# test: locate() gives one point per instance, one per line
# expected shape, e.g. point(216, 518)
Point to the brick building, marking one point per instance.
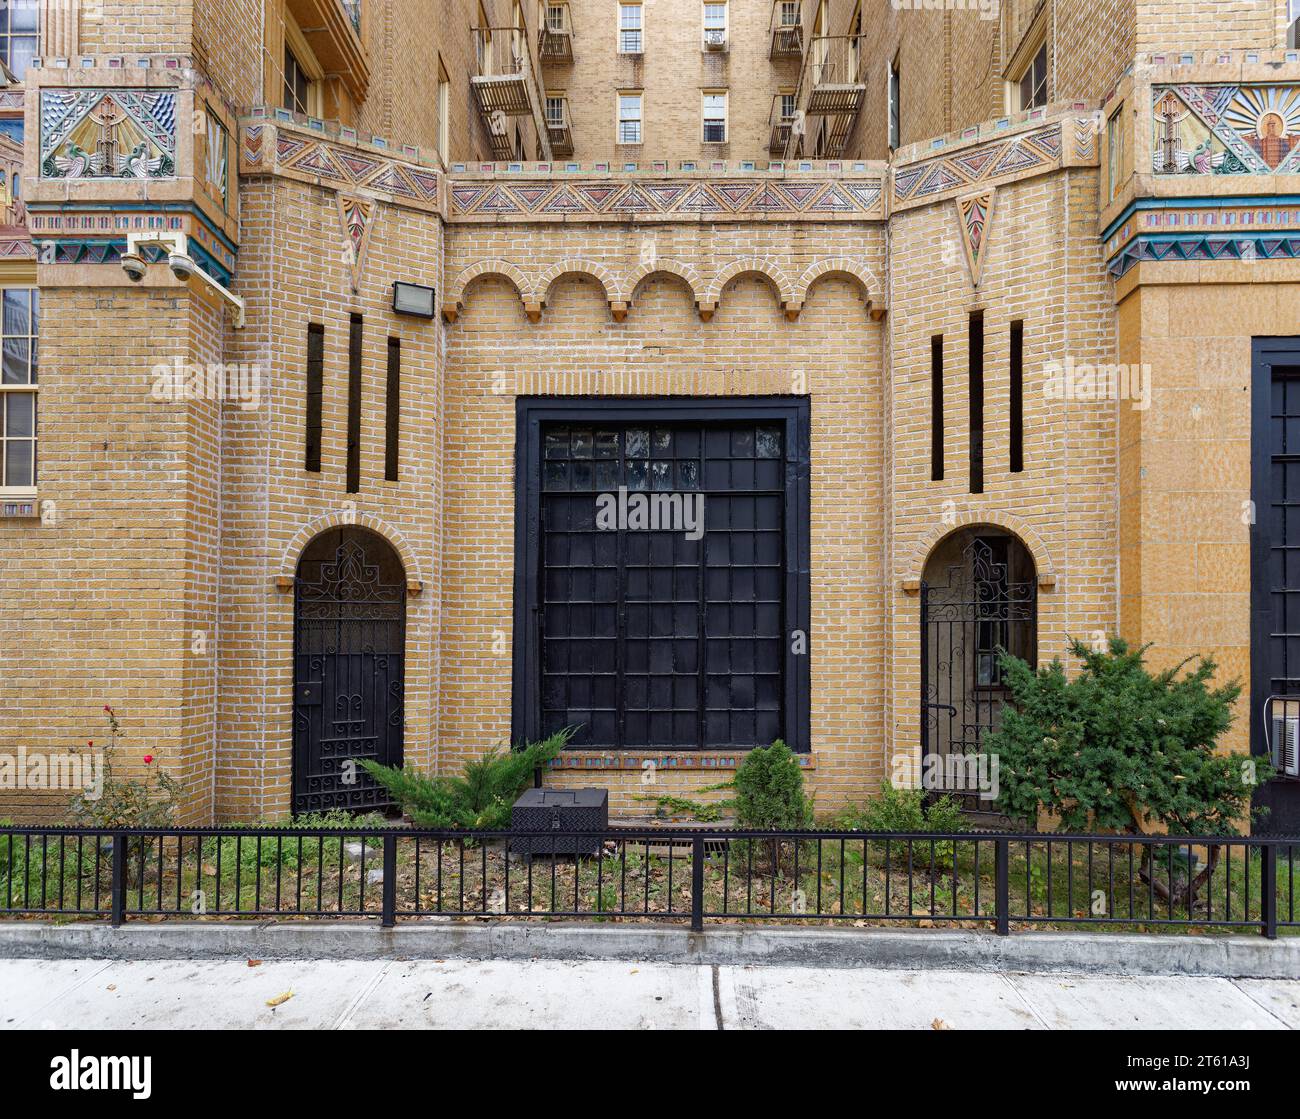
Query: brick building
point(936, 306)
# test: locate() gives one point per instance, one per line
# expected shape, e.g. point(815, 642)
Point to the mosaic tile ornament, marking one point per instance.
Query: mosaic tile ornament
point(357, 218)
point(722, 198)
point(1001, 159)
point(1226, 130)
point(108, 134)
point(974, 217)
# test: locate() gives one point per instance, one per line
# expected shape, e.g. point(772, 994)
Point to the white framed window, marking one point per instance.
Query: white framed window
point(1116, 138)
point(629, 118)
point(631, 29)
point(19, 34)
point(789, 13)
point(895, 105)
point(19, 326)
point(555, 109)
point(444, 114)
point(715, 117)
point(715, 26)
point(1031, 85)
point(789, 103)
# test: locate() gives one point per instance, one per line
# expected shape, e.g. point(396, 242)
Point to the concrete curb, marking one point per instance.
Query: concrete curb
point(910, 949)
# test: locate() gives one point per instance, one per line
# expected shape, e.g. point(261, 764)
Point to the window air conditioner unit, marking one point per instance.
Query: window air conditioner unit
point(1283, 723)
point(715, 40)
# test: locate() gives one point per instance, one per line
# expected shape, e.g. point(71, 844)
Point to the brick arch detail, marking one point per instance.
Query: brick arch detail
point(607, 279)
point(872, 289)
point(683, 272)
point(751, 264)
point(377, 525)
point(995, 518)
point(454, 300)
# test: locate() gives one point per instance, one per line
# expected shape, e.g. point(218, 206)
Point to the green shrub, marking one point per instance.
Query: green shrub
point(904, 810)
point(127, 802)
point(769, 790)
point(1119, 748)
point(481, 798)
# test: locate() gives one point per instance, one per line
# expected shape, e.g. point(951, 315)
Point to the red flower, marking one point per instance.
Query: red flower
point(148, 759)
point(108, 709)
point(91, 743)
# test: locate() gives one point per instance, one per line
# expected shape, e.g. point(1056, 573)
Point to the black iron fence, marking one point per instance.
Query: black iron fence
point(996, 880)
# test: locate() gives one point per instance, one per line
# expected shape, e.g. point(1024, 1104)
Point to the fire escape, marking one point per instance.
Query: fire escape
point(507, 88)
point(829, 98)
point(554, 49)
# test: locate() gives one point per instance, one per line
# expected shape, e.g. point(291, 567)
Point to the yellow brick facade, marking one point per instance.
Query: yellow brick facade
point(156, 570)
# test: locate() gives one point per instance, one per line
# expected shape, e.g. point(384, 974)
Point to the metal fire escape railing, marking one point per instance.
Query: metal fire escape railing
point(830, 96)
point(507, 86)
point(786, 30)
point(555, 37)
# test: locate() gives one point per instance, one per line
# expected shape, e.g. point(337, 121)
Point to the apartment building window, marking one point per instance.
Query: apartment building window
point(297, 86)
point(789, 104)
point(629, 118)
point(715, 26)
point(715, 118)
point(555, 110)
point(19, 34)
point(444, 114)
point(555, 18)
point(630, 28)
point(1031, 85)
point(895, 107)
point(1293, 32)
point(1115, 141)
point(19, 323)
point(789, 13)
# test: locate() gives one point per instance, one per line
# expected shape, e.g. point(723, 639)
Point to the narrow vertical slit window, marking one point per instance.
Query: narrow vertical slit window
point(393, 409)
point(976, 397)
point(1017, 401)
point(936, 408)
point(354, 405)
point(315, 395)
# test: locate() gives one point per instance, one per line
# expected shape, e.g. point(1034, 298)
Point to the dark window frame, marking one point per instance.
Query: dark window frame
point(356, 337)
point(975, 399)
point(1016, 403)
point(533, 412)
point(1280, 797)
point(314, 405)
point(393, 411)
point(936, 408)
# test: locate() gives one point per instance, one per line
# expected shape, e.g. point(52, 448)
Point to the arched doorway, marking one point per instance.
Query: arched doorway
point(348, 675)
point(978, 596)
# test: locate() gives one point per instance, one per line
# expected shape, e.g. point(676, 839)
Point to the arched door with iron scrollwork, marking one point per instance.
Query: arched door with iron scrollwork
point(348, 679)
point(979, 597)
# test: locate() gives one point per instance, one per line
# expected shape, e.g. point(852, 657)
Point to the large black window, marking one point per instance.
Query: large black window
point(1275, 556)
point(662, 583)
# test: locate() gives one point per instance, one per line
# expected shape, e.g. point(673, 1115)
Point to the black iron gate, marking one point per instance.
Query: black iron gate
point(986, 602)
point(349, 647)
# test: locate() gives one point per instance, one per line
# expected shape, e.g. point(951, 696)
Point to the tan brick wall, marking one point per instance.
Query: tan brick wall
point(1062, 505)
point(103, 598)
point(664, 349)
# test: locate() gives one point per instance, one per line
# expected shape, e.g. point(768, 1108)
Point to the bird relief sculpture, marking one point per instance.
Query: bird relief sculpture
point(107, 142)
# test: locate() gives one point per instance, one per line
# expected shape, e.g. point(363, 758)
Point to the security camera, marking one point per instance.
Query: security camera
point(134, 265)
point(182, 266)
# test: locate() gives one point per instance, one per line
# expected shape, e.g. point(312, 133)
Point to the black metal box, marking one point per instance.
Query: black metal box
point(566, 821)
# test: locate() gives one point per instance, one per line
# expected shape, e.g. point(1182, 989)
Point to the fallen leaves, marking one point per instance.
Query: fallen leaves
point(279, 1000)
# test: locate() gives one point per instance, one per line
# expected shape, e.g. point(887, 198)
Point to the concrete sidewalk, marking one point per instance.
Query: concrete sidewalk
point(553, 994)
